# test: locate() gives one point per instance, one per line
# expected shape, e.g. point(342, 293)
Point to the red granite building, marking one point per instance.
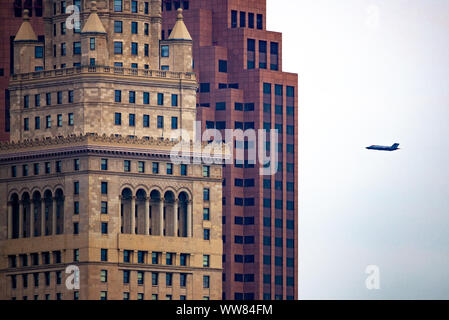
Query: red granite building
point(242, 86)
point(10, 20)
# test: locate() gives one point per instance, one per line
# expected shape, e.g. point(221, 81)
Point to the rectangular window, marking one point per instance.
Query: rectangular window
point(47, 168)
point(104, 228)
point(77, 47)
point(165, 51)
point(174, 100)
point(141, 256)
point(262, 54)
point(76, 207)
point(206, 171)
point(141, 166)
point(160, 99)
point(26, 101)
point(220, 106)
point(146, 29)
point(76, 187)
point(234, 19)
point(134, 6)
point(206, 234)
point(146, 121)
point(36, 169)
point(251, 20)
point(242, 19)
point(182, 280)
point(168, 279)
point(205, 87)
point(206, 260)
point(118, 26)
point(146, 98)
point(63, 28)
point(146, 50)
point(146, 8)
point(127, 165)
point(63, 49)
point(118, 96)
point(48, 122)
point(59, 120)
point(104, 207)
point(206, 194)
point(160, 122)
point(132, 119)
point(154, 280)
point(155, 257)
point(39, 52)
point(174, 123)
point(206, 282)
point(118, 47)
point(59, 97)
point(259, 21)
point(222, 66)
point(76, 228)
point(134, 48)
point(126, 274)
point(92, 44)
point(118, 5)
point(183, 169)
point(274, 56)
point(169, 168)
point(103, 275)
point(118, 119)
point(206, 214)
point(134, 27)
point(104, 187)
point(155, 167)
point(251, 53)
point(26, 124)
point(70, 96)
point(140, 278)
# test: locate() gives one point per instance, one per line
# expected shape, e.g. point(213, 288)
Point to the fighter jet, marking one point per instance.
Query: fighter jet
point(384, 148)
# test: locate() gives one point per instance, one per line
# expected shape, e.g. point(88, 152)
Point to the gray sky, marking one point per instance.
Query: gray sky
point(371, 72)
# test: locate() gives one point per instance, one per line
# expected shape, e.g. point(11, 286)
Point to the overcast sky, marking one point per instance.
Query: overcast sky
point(371, 72)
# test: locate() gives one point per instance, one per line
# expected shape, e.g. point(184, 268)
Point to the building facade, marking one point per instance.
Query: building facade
point(87, 179)
point(11, 13)
point(242, 86)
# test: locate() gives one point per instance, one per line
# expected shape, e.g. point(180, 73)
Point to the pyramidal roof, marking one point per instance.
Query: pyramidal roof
point(26, 32)
point(180, 31)
point(93, 23)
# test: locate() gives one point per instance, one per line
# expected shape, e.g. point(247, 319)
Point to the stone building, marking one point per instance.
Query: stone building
point(87, 182)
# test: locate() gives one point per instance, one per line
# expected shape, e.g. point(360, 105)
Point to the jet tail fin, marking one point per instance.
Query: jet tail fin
point(395, 146)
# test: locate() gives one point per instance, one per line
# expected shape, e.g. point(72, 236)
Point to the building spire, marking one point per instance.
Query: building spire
point(26, 32)
point(180, 31)
point(93, 23)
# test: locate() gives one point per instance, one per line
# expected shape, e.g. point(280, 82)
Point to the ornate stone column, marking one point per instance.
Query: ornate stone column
point(53, 217)
point(9, 220)
point(147, 216)
point(20, 219)
point(32, 218)
point(42, 217)
point(120, 220)
point(133, 215)
point(189, 218)
point(175, 218)
point(161, 217)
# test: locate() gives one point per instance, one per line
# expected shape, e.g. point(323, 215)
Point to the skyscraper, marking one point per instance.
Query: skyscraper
point(242, 86)
point(87, 183)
